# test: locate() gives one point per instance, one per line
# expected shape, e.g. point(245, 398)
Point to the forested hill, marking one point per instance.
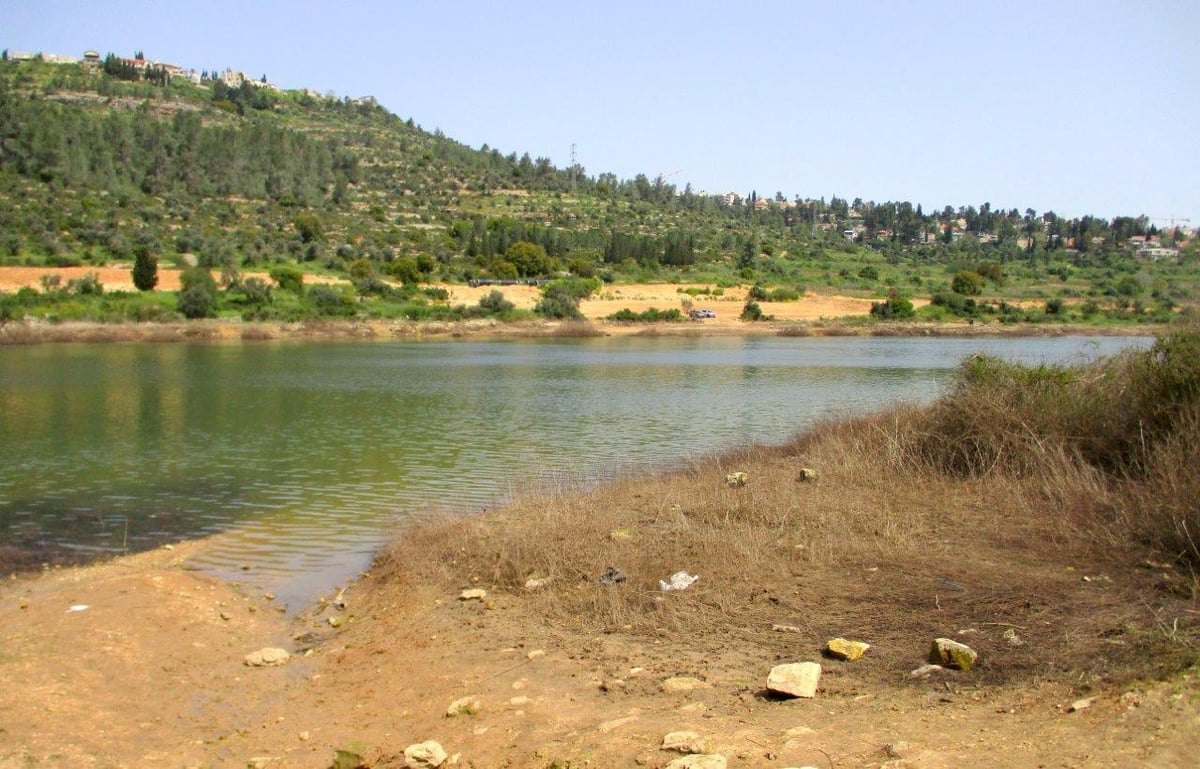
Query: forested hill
point(100, 161)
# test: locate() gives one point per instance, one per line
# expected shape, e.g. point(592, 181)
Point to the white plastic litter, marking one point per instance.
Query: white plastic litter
point(680, 580)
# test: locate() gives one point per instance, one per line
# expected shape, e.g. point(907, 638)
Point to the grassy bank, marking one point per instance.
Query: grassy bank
point(1047, 516)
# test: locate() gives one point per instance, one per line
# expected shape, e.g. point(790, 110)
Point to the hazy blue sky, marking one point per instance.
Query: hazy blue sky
point(1080, 107)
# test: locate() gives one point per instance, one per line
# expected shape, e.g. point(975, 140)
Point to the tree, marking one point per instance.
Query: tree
point(197, 294)
point(145, 269)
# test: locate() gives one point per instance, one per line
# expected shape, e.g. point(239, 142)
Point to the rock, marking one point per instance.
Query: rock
point(535, 654)
point(841, 649)
point(898, 749)
point(705, 761)
point(533, 583)
point(425, 755)
point(1082, 704)
point(464, 706)
point(926, 670)
point(683, 742)
point(334, 621)
point(736, 480)
point(262, 762)
point(612, 576)
point(1013, 639)
point(785, 629)
point(807, 474)
point(474, 594)
point(680, 684)
point(226, 616)
point(616, 723)
point(952, 654)
point(268, 657)
point(797, 679)
point(348, 759)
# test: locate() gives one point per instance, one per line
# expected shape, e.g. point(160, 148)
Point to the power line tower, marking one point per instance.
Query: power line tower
point(574, 167)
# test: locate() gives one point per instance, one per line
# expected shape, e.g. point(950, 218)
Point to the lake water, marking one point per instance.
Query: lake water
point(308, 453)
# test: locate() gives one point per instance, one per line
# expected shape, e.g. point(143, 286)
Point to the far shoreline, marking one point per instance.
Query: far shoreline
point(237, 331)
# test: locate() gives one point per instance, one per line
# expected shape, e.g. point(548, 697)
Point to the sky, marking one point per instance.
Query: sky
point(1076, 107)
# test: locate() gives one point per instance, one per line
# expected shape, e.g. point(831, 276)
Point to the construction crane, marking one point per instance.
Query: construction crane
point(1172, 219)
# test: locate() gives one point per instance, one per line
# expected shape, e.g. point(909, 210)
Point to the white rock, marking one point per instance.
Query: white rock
point(474, 594)
point(797, 679)
point(464, 706)
point(268, 657)
point(683, 742)
point(1082, 704)
point(706, 761)
point(926, 670)
point(425, 755)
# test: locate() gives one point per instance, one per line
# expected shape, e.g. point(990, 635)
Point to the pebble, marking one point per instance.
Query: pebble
point(683, 742)
point(681, 684)
point(425, 755)
point(474, 594)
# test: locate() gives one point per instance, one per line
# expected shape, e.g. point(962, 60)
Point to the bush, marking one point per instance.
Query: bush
point(967, 283)
point(558, 301)
point(895, 307)
point(494, 303)
point(145, 270)
point(288, 279)
point(197, 294)
point(752, 312)
point(328, 300)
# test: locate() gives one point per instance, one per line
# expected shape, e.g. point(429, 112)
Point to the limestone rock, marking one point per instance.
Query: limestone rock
point(425, 755)
point(926, 670)
point(952, 654)
point(683, 742)
point(681, 684)
point(267, 658)
point(703, 761)
point(464, 706)
point(1082, 704)
point(474, 594)
point(842, 649)
point(807, 474)
point(797, 679)
point(736, 480)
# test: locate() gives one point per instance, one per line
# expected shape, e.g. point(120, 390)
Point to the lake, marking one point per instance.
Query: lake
point(307, 454)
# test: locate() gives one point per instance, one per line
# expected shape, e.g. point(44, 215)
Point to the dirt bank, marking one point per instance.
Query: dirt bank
point(140, 662)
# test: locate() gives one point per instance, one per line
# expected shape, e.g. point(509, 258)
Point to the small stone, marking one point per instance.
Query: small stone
point(683, 742)
point(926, 670)
point(1013, 639)
point(898, 749)
point(464, 706)
point(334, 621)
point(519, 701)
point(681, 684)
point(474, 594)
point(807, 474)
point(841, 649)
point(612, 685)
point(952, 654)
point(1082, 704)
point(705, 761)
point(535, 654)
point(262, 762)
point(226, 616)
point(785, 629)
point(425, 755)
point(736, 480)
point(305, 736)
point(269, 596)
point(268, 657)
point(533, 583)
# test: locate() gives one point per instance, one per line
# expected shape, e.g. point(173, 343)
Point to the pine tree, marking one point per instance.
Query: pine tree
point(145, 269)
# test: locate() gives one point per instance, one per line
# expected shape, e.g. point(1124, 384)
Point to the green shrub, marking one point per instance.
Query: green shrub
point(288, 278)
point(967, 283)
point(494, 303)
point(558, 301)
point(197, 293)
point(895, 307)
point(752, 312)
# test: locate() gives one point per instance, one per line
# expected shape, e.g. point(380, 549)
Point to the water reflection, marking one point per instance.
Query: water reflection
point(308, 451)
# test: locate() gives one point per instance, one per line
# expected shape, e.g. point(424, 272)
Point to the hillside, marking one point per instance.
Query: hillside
point(103, 164)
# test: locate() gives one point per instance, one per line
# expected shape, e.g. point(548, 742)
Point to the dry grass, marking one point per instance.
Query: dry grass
point(883, 547)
